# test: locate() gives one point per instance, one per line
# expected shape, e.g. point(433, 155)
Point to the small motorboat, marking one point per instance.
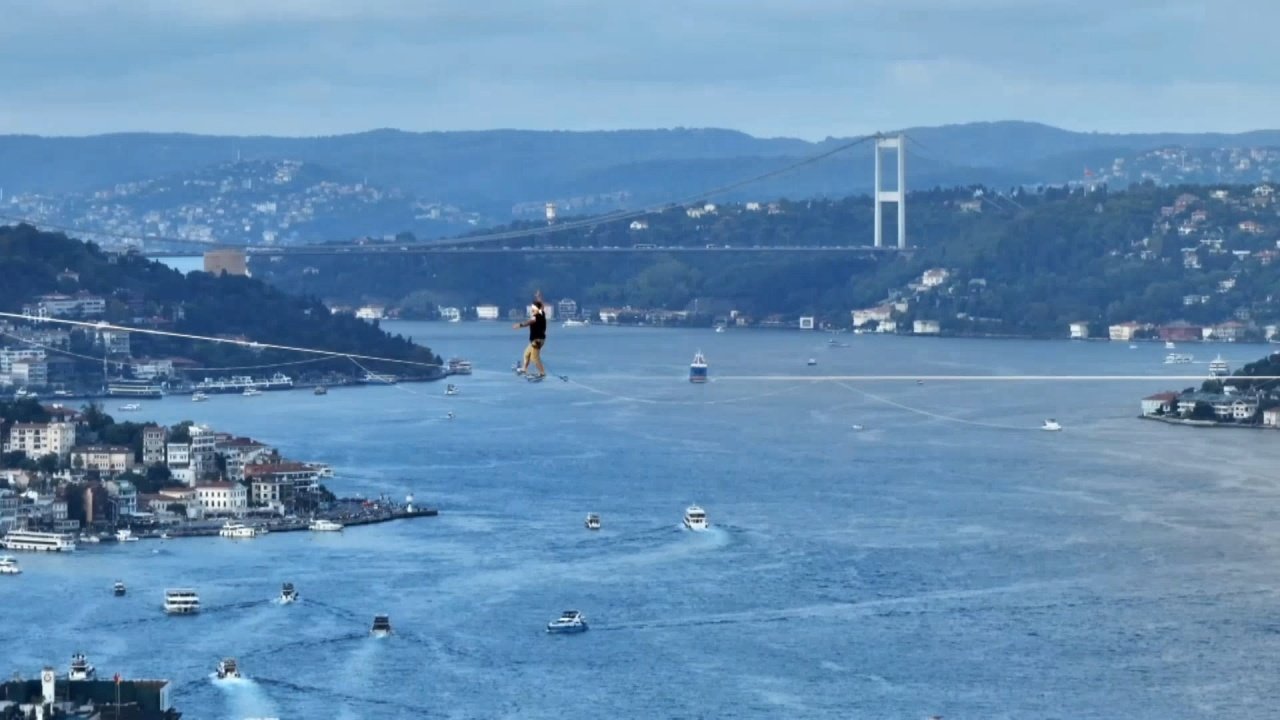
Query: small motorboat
point(323, 525)
point(288, 594)
point(858, 427)
point(592, 522)
point(227, 669)
point(695, 518)
point(570, 621)
point(812, 362)
point(450, 415)
point(199, 397)
point(130, 407)
point(80, 668)
point(321, 390)
point(381, 626)
point(1051, 425)
point(118, 589)
point(125, 535)
point(9, 566)
point(451, 390)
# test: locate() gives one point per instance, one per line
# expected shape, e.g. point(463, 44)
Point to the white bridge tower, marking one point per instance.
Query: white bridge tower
point(898, 194)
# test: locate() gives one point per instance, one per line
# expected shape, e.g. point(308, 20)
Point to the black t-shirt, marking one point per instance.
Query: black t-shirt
point(538, 329)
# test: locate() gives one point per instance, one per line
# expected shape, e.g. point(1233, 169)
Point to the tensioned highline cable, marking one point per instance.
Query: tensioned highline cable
point(184, 368)
point(505, 234)
point(226, 341)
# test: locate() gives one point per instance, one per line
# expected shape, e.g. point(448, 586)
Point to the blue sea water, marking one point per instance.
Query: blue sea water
point(949, 558)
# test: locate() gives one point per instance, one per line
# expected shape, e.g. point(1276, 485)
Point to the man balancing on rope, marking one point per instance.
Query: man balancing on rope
point(537, 324)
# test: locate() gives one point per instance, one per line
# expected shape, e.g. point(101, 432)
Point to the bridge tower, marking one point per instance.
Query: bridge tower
point(899, 194)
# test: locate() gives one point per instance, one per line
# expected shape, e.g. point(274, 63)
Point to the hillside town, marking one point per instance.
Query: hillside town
point(61, 475)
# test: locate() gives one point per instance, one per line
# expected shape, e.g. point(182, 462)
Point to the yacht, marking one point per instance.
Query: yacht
point(181, 601)
point(381, 626)
point(570, 621)
point(1168, 345)
point(80, 668)
point(118, 589)
point(38, 541)
point(134, 388)
point(698, 368)
point(251, 391)
point(130, 407)
point(321, 390)
point(125, 535)
point(593, 521)
point(812, 362)
point(323, 525)
point(91, 539)
point(9, 566)
point(574, 323)
point(720, 328)
point(1178, 359)
point(227, 669)
point(458, 366)
point(288, 594)
point(695, 518)
point(237, 530)
point(1051, 425)
point(1219, 367)
point(198, 397)
point(451, 390)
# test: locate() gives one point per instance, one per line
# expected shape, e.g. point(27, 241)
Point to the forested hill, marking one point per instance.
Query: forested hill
point(143, 293)
point(1026, 263)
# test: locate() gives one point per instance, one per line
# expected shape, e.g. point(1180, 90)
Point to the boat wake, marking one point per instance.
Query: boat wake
point(245, 698)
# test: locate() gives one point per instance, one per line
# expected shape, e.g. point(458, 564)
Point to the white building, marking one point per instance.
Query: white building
point(567, 308)
point(153, 444)
point(1079, 330)
point(452, 314)
point(806, 322)
point(79, 305)
point(152, 369)
point(111, 459)
point(9, 356)
point(37, 439)
point(222, 498)
point(371, 312)
point(1271, 418)
point(125, 496)
point(487, 312)
point(177, 455)
point(926, 327)
point(31, 373)
point(934, 277)
point(639, 225)
point(1124, 332)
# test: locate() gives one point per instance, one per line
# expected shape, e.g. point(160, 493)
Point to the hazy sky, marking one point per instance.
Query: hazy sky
point(804, 68)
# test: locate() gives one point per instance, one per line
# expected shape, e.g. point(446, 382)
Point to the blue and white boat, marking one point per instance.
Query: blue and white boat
point(570, 621)
point(698, 369)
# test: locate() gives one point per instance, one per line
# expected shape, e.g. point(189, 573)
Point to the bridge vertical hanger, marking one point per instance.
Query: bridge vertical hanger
point(898, 194)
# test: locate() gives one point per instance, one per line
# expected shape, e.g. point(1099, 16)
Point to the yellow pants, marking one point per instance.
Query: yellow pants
point(533, 354)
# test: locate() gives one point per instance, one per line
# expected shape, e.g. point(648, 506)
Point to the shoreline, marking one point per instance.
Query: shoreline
point(281, 526)
point(1203, 423)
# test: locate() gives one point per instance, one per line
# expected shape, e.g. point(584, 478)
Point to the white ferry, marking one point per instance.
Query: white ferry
point(130, 407)
point(458, 366)
point(237, 530)
point(239, 383)
point(695, 518)
point(323, 525)
point(592, 522)
point(121, 387)
point(125, 535)
point(1178, 359)
point(698, 368)
point(9, 566)
point(38, 541)
point(181, 601)
point(1051, 425)
point(381, 626)
point(227, 669)
point(1219, 367)
point(199, 397)
point(80, 668)
point(288, 594)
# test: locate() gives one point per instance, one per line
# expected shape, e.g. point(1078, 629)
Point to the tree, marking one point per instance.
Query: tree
point(1202, 411)
point(48, 464)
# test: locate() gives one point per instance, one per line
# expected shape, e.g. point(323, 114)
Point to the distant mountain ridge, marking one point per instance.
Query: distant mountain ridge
point(492, 171)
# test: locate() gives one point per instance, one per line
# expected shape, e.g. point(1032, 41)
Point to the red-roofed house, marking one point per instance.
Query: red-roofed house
point(1160, 403)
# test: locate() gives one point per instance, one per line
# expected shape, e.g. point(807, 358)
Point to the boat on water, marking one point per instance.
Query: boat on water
point(451, 390)
point(381, 626)
point(1168, 345)
point(38, 541)
point(181, 601)
point(720, 328)
point(321, 390)
point(857, 427)
point(121, 387)
point(323, 525)
point(1133, 346)
point(240, 383)
point(570, 621)
point(9, 566)
point(592, 522)
point(198, 397)
point(695, 518)
point(1178, 359)
point(130, 407)
point(237, 530)
point(80, 668)
point(812, 362)
point(575, 323)
point(698, 368)
point(1051, 425)
point(458, 366)
point(125, 535)
point(118, 589)
point(251, 391)
point(1219, 367)
point(227, 669)
point(288, 594)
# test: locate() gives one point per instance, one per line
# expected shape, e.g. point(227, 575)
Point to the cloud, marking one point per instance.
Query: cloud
point(806, 67)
